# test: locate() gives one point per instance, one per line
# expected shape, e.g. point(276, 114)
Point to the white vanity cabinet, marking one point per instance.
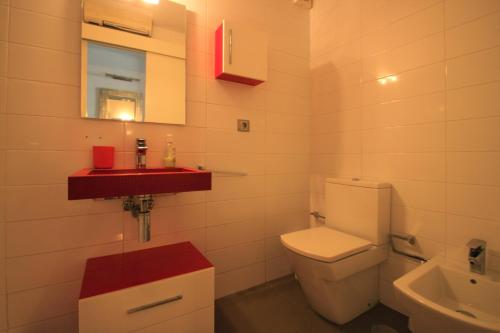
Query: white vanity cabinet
point(164, 289)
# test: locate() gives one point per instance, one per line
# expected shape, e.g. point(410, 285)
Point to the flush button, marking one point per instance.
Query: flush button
point(243, 125)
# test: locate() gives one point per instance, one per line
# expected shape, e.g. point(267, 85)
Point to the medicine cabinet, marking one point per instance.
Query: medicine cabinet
point(134, 61)
point(240, 53)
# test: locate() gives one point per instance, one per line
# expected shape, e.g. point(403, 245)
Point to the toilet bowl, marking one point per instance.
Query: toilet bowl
point(337, 264)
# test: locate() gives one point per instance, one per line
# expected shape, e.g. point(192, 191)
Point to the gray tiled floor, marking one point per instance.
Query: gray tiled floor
point(280, 306)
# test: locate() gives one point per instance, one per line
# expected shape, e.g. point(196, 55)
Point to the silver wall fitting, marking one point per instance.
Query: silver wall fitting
point(243, 125)
point(317, 215)
point(144, 221)
point(140, 206)
point(224, 172)
point(410, 239)
point(406, 237)
point(477, 256)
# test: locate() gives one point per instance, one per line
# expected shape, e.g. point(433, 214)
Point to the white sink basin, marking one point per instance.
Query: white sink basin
point(442, 298)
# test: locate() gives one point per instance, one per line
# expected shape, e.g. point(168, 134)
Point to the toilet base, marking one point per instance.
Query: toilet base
point(340, 290)
point(341, 301)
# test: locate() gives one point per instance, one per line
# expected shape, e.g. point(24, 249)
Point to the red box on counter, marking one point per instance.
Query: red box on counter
point(104, 157)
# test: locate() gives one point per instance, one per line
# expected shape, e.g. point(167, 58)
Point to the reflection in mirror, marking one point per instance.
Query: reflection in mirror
point(115, 83)
point(120, 105)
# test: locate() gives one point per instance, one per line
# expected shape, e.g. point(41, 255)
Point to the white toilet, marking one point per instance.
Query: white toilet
point(337, 265)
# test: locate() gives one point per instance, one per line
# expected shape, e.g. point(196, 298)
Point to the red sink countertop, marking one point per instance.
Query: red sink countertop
point(108, 183)
point(120, 271)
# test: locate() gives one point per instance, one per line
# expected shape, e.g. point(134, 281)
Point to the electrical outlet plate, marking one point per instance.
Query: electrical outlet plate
point(243, 125)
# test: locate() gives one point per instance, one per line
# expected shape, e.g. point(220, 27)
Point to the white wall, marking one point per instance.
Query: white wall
point(433, 132)
point(237, 224)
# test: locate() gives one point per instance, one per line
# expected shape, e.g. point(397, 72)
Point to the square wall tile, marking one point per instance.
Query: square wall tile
point(56, 133)
point(66, 323)
point(473, 135)
point(3, 311)
point(58, 67)
point(422, 195)
point(222, 212)
point(3, 94)
point(278, 267)
point(419, 222)
point(473, 102)
point(30, 28)
point(239, 279)
point(473, 36)
point(23, 238)
point(479, 168)
point(4, 19)
point(462, 229)
point(43, 99)
point(474, 68)
point(232, 234)
point(3, 58)
point(51, 201)
point(24, 307)
point(461, 11)
point(473, 201)
point(39, 270)
point(60, 8)
point(238, 256)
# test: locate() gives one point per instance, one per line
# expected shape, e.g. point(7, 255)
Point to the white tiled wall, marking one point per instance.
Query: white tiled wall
point(403, 91)
point(4, 21)
point(42, 140)
point(408, 92)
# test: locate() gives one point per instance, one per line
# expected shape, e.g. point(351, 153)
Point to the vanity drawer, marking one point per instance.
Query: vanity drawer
point(148, 304)
point(200, 321)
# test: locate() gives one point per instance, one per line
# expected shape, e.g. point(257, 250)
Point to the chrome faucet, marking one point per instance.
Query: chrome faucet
point(477, 256)
point(140, 153)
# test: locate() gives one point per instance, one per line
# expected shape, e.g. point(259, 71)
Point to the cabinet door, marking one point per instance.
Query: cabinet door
point(165, 89)
point(241, 54)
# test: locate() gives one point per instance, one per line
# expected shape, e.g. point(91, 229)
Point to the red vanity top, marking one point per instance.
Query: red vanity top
point(108, 183)
point(120, 271)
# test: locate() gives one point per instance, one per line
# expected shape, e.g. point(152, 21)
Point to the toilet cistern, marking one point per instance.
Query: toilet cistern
point(477, 256)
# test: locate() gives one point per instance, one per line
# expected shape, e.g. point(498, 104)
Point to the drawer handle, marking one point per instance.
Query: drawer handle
point(154, 304)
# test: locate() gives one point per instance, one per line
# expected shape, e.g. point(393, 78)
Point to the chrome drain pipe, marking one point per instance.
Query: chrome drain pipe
point(144, 221)
point(140, 206)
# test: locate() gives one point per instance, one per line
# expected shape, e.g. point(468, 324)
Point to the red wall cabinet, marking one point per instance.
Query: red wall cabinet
point(240, 54)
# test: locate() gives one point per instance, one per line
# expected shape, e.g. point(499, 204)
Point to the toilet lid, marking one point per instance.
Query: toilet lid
point(324, 244)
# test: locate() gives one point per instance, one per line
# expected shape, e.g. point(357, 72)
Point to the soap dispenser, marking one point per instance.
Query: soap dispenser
point(169, 159)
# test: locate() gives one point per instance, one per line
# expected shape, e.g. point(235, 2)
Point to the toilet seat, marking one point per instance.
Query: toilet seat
point(324, 244)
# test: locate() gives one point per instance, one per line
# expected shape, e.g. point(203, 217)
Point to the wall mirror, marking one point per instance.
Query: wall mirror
point(134, 61)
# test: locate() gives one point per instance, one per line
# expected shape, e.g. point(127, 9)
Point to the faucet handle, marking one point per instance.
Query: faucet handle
point(476, 247)
point(141, 143)
point(475, 243)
